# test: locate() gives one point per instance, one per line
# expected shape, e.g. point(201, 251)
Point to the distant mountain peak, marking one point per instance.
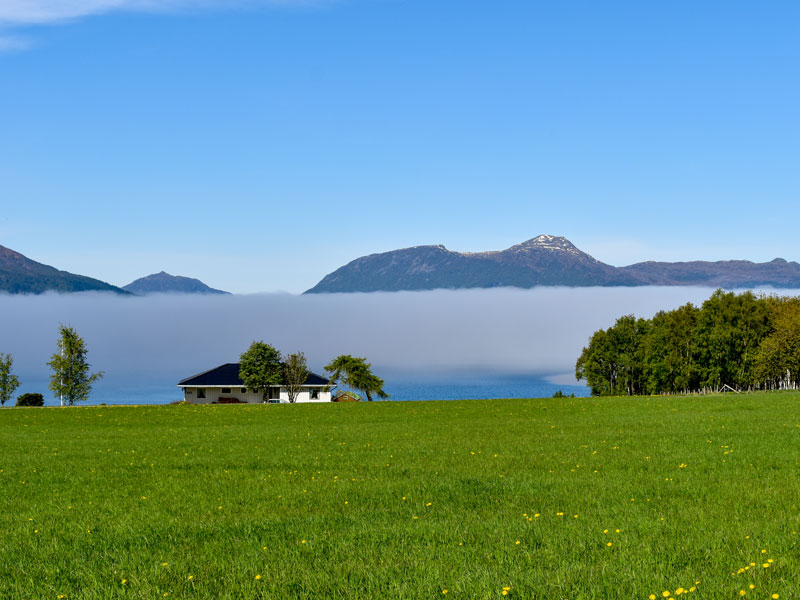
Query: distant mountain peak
point(545, 260)
point(548, 242)
point(164, 283)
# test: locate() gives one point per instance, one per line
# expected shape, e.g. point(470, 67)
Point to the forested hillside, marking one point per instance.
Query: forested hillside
point(737, 340)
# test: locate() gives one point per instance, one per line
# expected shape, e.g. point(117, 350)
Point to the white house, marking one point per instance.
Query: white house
point(222, 385)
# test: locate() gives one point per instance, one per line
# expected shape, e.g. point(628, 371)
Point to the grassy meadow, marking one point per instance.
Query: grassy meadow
point(628, 498)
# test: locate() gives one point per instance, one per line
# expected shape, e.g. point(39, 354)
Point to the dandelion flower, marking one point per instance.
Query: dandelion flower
point(258, 577)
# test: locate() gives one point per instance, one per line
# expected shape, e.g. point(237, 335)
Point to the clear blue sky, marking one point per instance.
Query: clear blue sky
point(260, 147)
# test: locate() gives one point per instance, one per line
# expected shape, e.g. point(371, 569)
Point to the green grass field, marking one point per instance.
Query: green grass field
point(571, 498)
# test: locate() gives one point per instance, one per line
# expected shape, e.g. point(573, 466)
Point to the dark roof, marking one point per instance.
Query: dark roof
point(227, 375)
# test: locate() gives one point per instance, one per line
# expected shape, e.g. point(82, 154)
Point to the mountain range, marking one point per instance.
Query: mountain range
point(545, 260)
point(21, 275)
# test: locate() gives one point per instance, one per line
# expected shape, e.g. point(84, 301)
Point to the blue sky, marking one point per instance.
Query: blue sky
point(259, 146)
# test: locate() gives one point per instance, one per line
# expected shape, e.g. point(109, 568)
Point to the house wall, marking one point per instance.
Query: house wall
point(213, 394)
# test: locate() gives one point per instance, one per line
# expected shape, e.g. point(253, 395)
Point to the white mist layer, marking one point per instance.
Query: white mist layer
point(164, 338)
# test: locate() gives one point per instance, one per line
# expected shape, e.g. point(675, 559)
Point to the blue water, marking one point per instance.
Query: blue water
point(479, 388)
point(400, 388)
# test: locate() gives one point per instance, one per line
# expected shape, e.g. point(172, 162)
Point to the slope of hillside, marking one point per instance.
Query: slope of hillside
point(21, 275)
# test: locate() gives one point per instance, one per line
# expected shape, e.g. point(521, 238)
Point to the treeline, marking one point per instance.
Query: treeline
point(739, 341)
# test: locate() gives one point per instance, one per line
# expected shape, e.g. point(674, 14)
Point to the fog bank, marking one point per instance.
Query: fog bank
point(165, 338)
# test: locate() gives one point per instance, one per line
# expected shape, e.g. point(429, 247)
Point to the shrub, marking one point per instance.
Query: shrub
point(30, 400)
point(561, 394)
point(229, 401)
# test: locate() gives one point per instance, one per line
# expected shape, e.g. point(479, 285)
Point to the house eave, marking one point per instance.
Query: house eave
point(239, 385)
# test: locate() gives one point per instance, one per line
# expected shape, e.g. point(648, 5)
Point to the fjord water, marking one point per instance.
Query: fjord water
point(443, 387)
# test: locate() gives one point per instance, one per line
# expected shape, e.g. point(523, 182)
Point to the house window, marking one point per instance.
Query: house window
point(188, 392)
point(314, 393)
point(244, 390)
point(274, 393)
point(226, 390)
point(201, 392)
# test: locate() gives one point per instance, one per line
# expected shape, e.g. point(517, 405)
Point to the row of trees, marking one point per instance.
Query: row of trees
point(738, 341)
point(70, 380)
point(262, 367)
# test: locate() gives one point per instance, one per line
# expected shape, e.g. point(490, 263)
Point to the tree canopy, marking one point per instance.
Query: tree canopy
point(295, 374)
point(356, 373)
point(70, 379)
point(736, 340)
point(260, 368)
point(8, 381)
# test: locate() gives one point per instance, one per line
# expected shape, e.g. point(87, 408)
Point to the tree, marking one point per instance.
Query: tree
point(260, 368)
point(777, 360)
point(295, 373)
point(357, 374)
point(671, 351)
point(70, 379)
point(730, 328)
point(8, 381)
point(613, 363)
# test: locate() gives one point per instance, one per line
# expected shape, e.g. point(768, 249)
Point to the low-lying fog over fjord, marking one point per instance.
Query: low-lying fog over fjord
point(150, 343)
